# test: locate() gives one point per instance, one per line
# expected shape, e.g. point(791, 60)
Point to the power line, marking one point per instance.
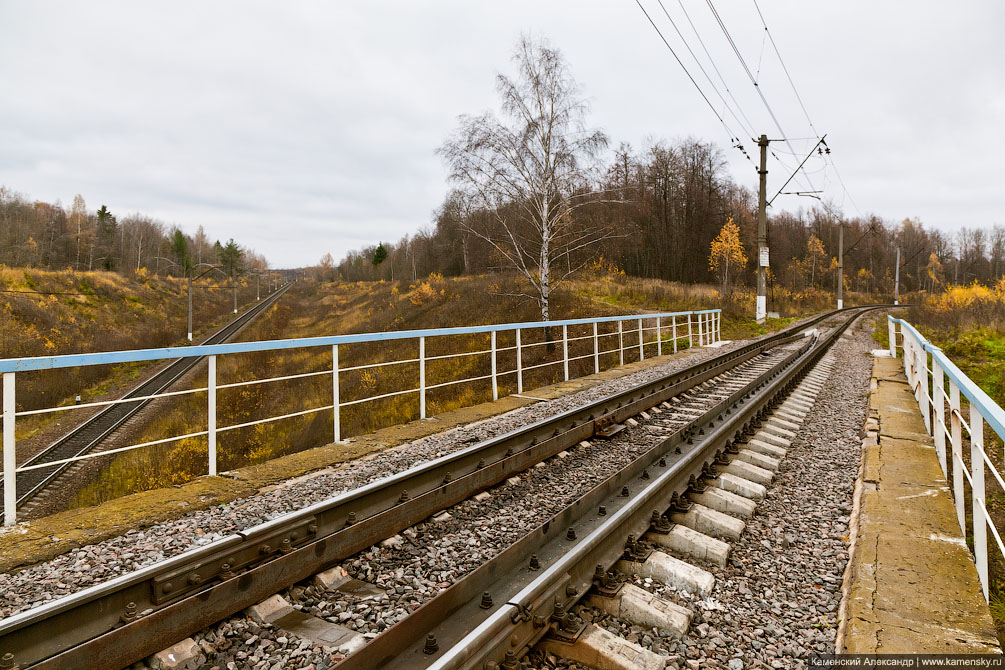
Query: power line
point(732, 135)
point(753, 80)
point(700, 67)
point(104, 295)
point(714, 66)
point(785, 69)
point(799, 98)
point(843, 187)
point(808, 156)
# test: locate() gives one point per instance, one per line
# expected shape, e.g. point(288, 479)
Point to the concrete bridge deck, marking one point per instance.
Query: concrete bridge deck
point(911, 585)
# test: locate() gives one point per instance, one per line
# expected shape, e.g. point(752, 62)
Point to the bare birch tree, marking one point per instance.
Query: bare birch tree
point(79, 215)
point(530, 170)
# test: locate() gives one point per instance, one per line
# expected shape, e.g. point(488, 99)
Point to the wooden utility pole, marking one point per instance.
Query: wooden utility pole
point(762, 233)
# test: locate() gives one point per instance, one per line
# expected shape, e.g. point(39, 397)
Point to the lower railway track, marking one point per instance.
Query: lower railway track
point(677, 481)
point(89, 436)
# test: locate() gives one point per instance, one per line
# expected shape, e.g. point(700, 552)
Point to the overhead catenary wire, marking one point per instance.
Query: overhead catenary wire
point(753, 80)
point(750, 133)
point(843, 187)
point(802, 174)
point(802, 106)
point(715, 67)
point(784, 68)
point(808, 156)
point(729, 131)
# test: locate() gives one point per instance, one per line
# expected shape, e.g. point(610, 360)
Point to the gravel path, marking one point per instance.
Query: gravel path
point(777, 600)
point(93, 564)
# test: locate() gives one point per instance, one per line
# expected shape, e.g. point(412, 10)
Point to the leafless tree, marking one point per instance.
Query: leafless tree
point(530, 171)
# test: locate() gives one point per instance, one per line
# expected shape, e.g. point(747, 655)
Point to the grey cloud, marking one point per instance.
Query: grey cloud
point(301, 128)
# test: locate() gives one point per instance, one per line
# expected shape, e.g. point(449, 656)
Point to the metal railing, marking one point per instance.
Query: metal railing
point(669, 329)
point(927, 370)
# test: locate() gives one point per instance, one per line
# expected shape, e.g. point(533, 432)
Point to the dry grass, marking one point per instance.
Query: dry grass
point(44, 313)
point(311, 309)
point(961, 308)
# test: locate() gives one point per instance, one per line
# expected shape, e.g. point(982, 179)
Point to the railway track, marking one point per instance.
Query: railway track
point(88, 436)
point(701, 412)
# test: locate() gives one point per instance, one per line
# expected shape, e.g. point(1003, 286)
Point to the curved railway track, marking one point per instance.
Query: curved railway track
point(86, 437)
point(137, 614)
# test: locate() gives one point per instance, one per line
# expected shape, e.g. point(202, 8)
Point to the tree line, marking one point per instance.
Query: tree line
point(46, 235)
point(533, 195)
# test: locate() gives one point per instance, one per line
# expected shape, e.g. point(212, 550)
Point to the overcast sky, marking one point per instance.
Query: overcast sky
point(304, 127)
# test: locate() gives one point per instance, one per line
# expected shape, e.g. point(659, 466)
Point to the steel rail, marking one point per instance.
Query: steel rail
point(108, 420)
point(517, 589)
point(531, 603)
point(132, 616)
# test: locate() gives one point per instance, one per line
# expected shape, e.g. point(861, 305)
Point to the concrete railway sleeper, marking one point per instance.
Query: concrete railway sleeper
point(135, 615)
point(606, 526)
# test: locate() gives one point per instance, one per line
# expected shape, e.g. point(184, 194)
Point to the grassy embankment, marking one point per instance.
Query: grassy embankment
point(968, 323)
point(652, 294)
point(45, 313)
point(312, 310)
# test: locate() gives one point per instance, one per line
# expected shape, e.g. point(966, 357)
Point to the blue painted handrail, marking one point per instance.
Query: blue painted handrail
point(132, 355)
point(988, 408)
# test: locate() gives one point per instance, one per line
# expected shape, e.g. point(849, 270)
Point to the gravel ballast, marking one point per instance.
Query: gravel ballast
point(431, 556)
point(777, 600)
point(774, 604)
point(93, 564)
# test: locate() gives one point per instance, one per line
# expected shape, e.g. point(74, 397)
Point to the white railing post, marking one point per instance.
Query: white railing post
point(690, 339)
point(422, 378)
point(893, 337)
point(925, 387)
point(659, 336)
point(596, 350)
point(939, 396)
point(642, 353)
point(336, 403)
point(908, 342)
point(674, 322)
point(495, 386)
point(701, 336)
point(978, 500)
point(519, 363)
point(621, 342)
point(954, 406)
point(9, 456)
point(211, 415)
point(565, 350)
point(915, 386)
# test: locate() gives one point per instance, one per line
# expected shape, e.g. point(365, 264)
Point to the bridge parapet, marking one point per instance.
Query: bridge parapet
point(940, 389)
point(913, 584)
point(637, 336)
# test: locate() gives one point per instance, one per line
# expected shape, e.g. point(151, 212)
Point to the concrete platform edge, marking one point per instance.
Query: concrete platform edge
point(910, 585)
